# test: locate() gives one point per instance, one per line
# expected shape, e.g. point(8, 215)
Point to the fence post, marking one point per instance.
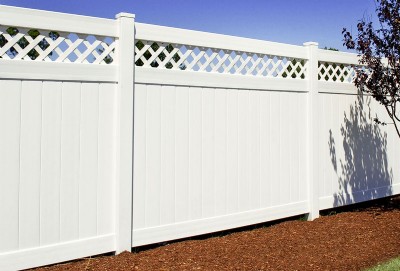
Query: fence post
point(312, 130)
point(125, 53)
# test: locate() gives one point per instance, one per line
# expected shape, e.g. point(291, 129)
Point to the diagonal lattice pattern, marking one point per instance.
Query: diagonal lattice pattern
point(195, 58)
point(334, 72)
point(52, 46)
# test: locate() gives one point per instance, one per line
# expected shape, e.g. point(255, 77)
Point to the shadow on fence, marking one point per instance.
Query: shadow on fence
point(364, 172)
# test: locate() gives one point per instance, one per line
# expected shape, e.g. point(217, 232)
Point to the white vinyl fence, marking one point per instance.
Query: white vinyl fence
point(116, 134)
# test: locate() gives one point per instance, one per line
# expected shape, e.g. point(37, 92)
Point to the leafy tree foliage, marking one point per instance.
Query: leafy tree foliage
point(331, 67)
point(330, 49)
point(161, 57)
point(379, 49)
point(298, 69)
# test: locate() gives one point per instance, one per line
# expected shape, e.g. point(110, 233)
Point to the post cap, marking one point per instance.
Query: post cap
point(125, 15)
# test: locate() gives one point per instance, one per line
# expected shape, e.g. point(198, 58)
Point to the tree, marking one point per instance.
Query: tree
point(330, 49)
point(379, 51)
point(161, 56)
point(298, 68)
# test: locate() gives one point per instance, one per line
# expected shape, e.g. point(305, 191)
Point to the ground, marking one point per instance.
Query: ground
point(353, 239)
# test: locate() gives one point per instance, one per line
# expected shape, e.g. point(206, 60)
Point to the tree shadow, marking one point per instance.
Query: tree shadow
point(364, 170)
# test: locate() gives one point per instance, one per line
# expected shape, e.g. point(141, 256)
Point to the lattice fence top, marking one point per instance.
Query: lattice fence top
point(53, 46)
point(196, 58)
point(334, 72)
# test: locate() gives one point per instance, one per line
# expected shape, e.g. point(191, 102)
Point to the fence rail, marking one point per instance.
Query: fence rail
point(118, 134)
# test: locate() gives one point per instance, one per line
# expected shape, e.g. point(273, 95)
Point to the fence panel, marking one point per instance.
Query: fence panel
point(58, 149)
point(358, 158)
point(210, 156)
point(208, 160)
point(58, 145)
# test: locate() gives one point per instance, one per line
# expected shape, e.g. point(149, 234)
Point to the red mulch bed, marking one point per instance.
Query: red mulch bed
point(353, 239)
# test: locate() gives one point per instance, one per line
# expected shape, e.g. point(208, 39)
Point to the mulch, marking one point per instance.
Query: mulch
point(353, 239)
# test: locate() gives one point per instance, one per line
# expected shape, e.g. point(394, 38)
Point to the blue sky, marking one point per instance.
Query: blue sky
point(288, 21)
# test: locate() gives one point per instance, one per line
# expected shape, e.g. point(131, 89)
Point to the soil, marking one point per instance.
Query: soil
point(353, 239)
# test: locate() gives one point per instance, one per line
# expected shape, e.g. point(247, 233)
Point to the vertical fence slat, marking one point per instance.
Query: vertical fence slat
point(140, 157)
point(167, 185)
point(70, 156)
point(10, 98)
point(232, 130)
point(31, 123)
point(195, 153)
point(294, 154)
point(182, 154)
point(51, 163)
point(208, 154)
point(303, 191)
point(254, 148)
point(332, 121)
point(275, 140)
point(265, 144)
point(284, 153)
point(153, 155)
point(88, 160)
point(220, 161)
point(243, 151)
point(106, 159)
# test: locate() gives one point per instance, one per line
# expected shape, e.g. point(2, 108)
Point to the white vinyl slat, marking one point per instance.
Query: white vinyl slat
point(294, 129)
point(70, 157)
point(326, 169)
point(195, 153)
point(88, 182)
point(284, 160)
point(275, 175)
point(182, 154)
point(153, 155)
point(340, 108)
point(50, 163)
point(168, 131)
point(265, 145)
point(254, 148)
point(302, 104)
point(322, 152)
point(208, 152)
point(329, 131)
point(220, 160)
point(232, 129)
point(10, 116)
point(243, 151)
point(106, 159)
point(140, 157)
point(30, 149)
point(336, 118)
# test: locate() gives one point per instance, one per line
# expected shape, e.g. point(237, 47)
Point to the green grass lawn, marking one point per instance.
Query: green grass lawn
point(392, 265)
